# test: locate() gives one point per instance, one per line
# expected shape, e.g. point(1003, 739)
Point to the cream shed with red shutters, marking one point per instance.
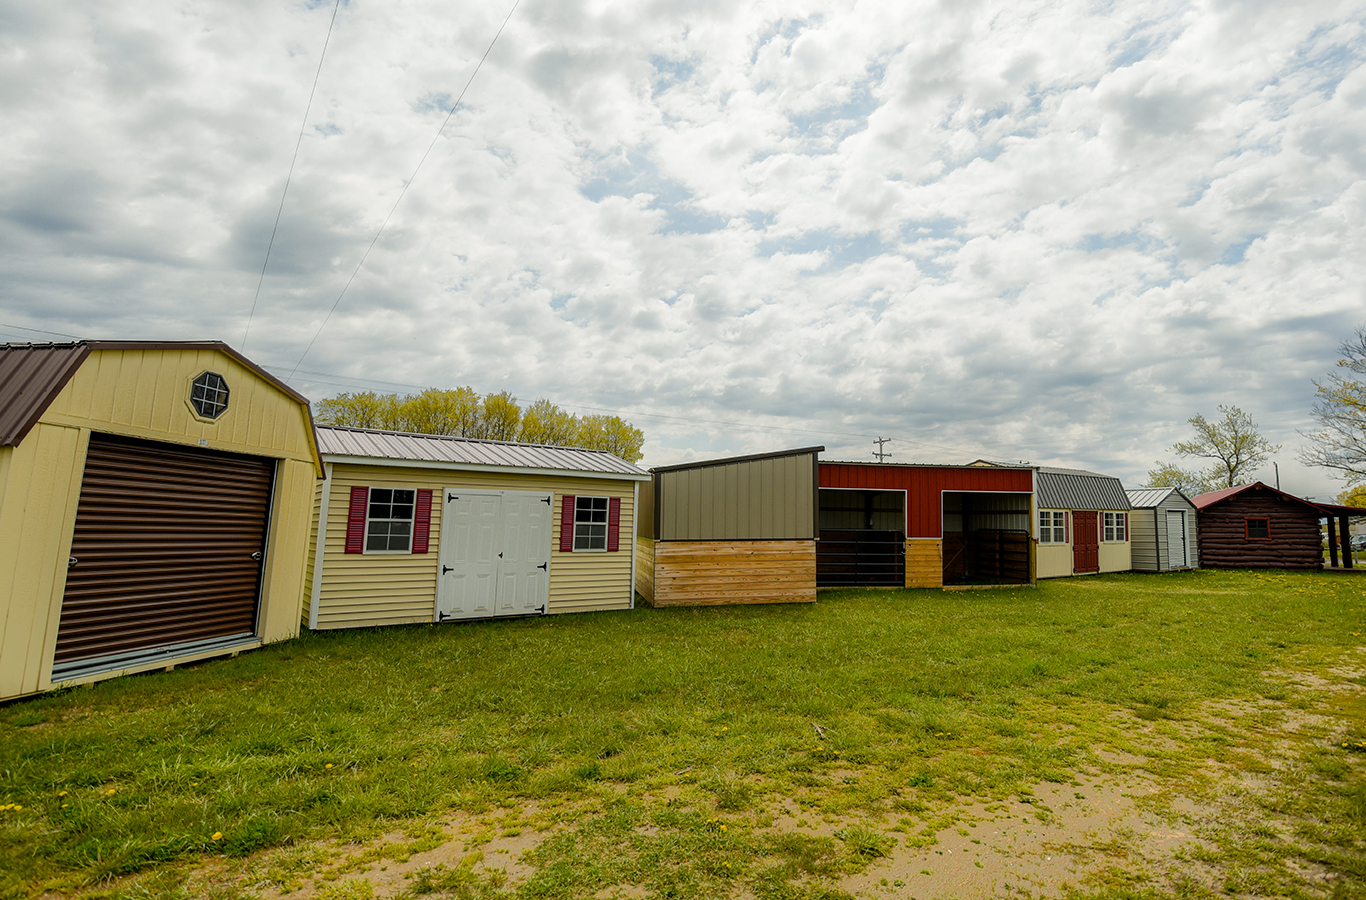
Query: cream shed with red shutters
point(411, 528)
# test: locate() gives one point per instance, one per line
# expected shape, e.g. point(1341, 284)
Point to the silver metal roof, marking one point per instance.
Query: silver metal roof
point(1144, 498)
point(1078, 489)
point(458, 452)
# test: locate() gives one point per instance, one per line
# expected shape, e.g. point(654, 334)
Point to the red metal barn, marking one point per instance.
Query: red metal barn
point(899, 525)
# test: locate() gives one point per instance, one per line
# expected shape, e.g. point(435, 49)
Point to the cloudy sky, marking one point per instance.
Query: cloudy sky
point(1038, 231)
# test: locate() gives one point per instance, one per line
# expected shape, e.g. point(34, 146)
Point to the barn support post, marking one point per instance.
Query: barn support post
point(1332, 542)
point(1345, 534)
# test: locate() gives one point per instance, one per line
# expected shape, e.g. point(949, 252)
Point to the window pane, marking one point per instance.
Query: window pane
point(1258, 528)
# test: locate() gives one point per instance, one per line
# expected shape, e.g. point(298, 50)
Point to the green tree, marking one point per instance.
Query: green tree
point(1354, 497)
point(364, 409)
point(437, 411)
point(1340, 411)
point(500, 417)
point(1184, 480)
point(611, 433)
point(1231, 440)
point(545, 423)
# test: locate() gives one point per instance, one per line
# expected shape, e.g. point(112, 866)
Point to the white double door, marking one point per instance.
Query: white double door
point(494, 557)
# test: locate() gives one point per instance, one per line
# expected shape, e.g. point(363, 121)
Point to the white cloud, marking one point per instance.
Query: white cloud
point(1045, 231)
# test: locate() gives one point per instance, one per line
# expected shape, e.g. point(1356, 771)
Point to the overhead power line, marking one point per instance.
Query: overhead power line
point(407, 184)
point(290, 175)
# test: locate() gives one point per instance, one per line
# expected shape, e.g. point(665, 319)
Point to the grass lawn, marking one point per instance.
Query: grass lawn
point(766, 752)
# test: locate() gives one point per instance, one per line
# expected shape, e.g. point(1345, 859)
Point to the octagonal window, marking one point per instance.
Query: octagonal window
point(209, 395)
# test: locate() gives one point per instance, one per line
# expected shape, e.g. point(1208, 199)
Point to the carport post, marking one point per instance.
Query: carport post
point(1332, 542)
point(1346, 540)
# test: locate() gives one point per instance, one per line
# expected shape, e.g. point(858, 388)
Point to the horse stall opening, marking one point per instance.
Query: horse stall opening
point(958, 524)
point(986, 538)
point(862, 538)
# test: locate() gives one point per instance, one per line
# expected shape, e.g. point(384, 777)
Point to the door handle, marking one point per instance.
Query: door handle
point(545, 565)
point(71, 562)
point(257, 556)
point(445, 569)
point(500, 556)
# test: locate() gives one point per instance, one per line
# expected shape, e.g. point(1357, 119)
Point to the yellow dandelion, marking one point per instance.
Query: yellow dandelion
point(725, 728)
point(61, 794)
point(17, 806)
point(723, 828)
point(218, 835)
point(328, 766)
point(65, 805)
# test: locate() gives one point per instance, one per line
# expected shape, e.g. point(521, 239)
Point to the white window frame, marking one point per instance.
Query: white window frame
point(589, 524)
point(411, 520)
point(1115, 528)
point(1056, 531)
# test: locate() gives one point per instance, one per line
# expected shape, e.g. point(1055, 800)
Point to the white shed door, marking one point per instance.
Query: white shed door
point(1176, 539)
point(524, 570)
point(494, 556)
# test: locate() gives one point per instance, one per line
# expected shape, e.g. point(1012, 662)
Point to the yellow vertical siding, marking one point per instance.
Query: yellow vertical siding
point(360, 590)
point(309, 574)
point(144, 393)
point(1116, 556)
point(286, 551)
point(41, 489)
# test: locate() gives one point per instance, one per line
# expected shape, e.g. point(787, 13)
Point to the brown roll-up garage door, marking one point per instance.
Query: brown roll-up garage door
point(163, 549)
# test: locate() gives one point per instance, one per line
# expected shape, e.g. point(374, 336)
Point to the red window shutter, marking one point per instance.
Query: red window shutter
point(422, 521)
point(355, 520)
point(567, 524)
point(1067, 527)
point(1126, 526)
point(614, 525)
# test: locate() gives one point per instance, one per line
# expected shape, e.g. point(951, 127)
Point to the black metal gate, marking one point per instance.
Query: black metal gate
point(861, 558)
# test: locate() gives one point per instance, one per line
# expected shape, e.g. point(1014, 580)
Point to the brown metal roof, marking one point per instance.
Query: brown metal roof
point(31, 376)
point(371, 444)
point(704, 463)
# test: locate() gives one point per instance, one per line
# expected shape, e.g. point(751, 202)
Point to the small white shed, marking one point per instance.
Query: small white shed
point(1162, 530)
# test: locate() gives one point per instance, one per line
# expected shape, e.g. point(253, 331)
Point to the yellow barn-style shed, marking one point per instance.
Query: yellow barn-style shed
point(154, 502)
point(412, 528)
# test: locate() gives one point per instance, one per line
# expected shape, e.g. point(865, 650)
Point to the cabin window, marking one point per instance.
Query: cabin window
point(590, 523)
point(389, 520)
point(1258, 529)
point(1115, 526)
point(1052, 528)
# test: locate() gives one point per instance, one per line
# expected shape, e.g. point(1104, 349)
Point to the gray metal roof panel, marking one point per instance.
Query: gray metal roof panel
point(1078, 489)
point(1142, 498)
point(432, 448)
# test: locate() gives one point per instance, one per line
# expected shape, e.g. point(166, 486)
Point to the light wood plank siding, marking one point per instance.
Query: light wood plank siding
point(360, 590)
point(645, 569)
point(924, 563)
point(713, 573)
point(749, 500)
point(145, 394)
point(1144, 540)
point(38, 496)
point(287, 555)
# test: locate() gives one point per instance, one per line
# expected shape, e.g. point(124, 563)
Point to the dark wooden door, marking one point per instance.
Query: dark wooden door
point(1085, 542)
point(167, 548)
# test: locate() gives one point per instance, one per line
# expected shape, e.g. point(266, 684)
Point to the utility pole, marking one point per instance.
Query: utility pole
point(879, 452)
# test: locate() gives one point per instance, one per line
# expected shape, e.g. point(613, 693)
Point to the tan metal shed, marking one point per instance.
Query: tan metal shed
point(153, 508)
point(735, 530)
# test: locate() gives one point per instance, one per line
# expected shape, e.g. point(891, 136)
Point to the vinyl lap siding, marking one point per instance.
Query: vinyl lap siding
point(360, 590)
point(1144, 539)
